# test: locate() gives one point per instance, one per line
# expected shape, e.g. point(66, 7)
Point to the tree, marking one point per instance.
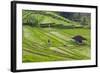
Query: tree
point(84, 21)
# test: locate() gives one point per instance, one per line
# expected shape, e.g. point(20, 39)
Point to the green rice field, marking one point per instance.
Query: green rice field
point(43, 44)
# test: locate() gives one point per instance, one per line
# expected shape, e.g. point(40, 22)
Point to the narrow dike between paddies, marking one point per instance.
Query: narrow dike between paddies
point(45, 35)
point(67, 53)
point(71, 54)
point(34, 46)
point(36, 49)
point(65, 50)
point(59, 35)
point(53, 36)
point(42, 53)
point(49, 51)
point(51, 54)
point(34, 56)
point(74, 52)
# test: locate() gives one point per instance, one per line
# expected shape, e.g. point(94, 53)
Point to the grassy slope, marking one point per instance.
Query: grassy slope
point(35, 46)
point(47, 17)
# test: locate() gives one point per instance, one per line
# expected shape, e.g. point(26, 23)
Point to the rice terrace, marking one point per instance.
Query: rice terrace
point(55, 36)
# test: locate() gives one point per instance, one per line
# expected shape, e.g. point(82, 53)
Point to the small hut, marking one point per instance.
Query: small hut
point(78, 39)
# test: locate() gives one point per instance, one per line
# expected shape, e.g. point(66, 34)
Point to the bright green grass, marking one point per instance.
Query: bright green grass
point(36, 49)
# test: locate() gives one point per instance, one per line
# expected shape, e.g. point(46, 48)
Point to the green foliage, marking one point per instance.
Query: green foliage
point(35, 18)
point(84, 21)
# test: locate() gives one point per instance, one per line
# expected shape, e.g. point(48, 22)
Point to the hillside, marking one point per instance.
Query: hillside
point(41, 17)
point(41, 44)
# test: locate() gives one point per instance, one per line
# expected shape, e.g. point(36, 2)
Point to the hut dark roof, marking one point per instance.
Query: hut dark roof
point(79, 38)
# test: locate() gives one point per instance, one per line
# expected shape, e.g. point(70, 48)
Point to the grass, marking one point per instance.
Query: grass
point(36, 49)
